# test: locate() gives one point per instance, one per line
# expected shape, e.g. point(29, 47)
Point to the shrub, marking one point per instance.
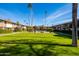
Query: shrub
point(64, 31)
point(29, 28)
point(17, 29)
point(49, 29)
point(5, 30)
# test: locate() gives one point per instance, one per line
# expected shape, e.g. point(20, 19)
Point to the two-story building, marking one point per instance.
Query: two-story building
point(7, 24)
point(65, 26)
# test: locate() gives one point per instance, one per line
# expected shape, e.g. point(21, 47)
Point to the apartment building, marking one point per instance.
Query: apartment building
point(7, 24)
point(65, 26)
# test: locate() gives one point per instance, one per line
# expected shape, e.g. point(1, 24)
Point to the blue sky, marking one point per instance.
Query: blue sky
point(57, 13)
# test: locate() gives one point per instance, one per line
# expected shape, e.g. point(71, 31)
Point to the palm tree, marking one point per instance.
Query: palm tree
point(74, 24)
point(30, 8)
point(30, 5)
point(45, 17)
point(31, 15)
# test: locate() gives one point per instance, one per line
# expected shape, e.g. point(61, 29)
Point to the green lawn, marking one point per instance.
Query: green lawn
point(26, 44)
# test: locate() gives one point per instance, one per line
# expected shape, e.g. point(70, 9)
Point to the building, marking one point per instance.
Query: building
point(64, 26)
point(7, 24)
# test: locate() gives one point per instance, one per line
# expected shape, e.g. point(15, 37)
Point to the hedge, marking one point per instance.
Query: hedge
point(5, 31)
point(65, 31)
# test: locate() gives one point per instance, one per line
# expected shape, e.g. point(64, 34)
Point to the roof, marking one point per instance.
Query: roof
point(1, 20)
point(67, 23)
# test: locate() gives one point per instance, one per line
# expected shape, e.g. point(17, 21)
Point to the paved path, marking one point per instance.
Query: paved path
point(64, 34)
point(9, 33)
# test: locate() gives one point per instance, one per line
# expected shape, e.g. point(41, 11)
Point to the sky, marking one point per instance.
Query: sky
point(57, 13)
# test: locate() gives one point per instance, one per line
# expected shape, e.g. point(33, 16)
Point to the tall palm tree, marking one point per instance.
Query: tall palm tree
point(30, 5)
point(30, 8)
point(45, 17)
point(31, 15)
point(74, 24)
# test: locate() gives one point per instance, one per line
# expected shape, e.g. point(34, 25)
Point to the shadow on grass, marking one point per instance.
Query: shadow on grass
point(34, 43)
point(19, 51)
point(58, 34)
point(29, 49)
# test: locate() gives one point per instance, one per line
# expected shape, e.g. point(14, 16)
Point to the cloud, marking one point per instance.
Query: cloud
point(59, 15)
point(53, 17)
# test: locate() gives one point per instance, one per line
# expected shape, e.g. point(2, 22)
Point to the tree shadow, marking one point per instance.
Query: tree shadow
point(34, 43)
point(16, 50)
point(61, 35)
point(42, 52)
point(19, 51)
point(28, 49)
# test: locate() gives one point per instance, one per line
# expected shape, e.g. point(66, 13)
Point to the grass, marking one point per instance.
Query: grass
point(37, 44)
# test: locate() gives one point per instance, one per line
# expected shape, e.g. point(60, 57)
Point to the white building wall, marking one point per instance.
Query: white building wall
point(8, 25)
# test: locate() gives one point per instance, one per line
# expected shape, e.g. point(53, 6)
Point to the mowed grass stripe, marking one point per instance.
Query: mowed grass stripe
point(37, 44)
point(37, 37)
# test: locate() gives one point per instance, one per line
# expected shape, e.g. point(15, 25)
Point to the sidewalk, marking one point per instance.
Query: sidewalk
point(64, 34)
point(9, 33)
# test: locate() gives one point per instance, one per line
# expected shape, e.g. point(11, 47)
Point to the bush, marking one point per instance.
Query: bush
point(29, 28)
point(17, 29)
point(5, 30)
point(64, 31)
point(49, 29)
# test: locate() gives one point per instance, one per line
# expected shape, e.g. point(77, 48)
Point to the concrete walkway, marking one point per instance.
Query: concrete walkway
point(64, 34)
point(9, 33)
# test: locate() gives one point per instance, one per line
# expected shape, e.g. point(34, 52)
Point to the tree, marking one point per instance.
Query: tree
point(45, 17)
point(31, 15)
point(17, 23)
point(34, 28)
point(30, 5)
point(74, 24)
point(30, 8)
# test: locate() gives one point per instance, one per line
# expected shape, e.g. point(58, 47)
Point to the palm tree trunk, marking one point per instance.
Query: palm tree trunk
point(74, 25)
